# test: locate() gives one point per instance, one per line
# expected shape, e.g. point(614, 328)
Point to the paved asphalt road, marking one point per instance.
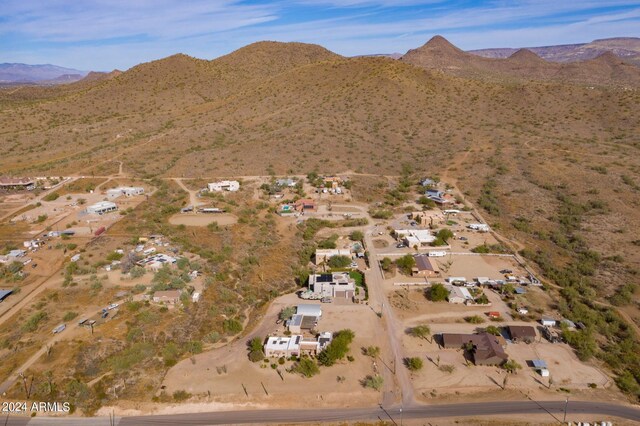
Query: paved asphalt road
point(576, 411)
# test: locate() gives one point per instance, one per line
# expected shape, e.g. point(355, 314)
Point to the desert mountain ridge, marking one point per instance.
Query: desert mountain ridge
point(522, 65)
point(627, 48)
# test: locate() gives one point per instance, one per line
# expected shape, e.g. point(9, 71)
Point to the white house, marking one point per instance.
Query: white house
point(102, 207)
point(224, 185)
point(336, 284)
point(415, 237)
point(459, 295)
point(128, 191)
point(286, 346)
point(480, 227)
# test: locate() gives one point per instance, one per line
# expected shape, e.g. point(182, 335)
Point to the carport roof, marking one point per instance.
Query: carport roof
point(539, 363)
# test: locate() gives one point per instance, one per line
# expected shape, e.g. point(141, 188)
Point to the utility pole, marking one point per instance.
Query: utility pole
point(566, 403)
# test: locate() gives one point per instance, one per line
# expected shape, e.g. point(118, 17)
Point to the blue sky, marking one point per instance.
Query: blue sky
point(109, 34)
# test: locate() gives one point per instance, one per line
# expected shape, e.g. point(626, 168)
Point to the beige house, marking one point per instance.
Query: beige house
point(425, 267)
point(168, 297)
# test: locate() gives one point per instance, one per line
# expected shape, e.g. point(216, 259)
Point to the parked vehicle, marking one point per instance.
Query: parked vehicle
point(326, 300)
point(400, 246)
point(105, 314)
point(59, 329)
point(506, 271)
point(113, 306)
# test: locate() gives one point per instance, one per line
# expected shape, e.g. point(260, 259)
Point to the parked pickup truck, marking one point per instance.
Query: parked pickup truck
point(59, 329)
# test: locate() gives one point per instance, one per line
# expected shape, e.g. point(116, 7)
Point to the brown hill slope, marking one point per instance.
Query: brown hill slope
point(554, 165)
point(522, 65)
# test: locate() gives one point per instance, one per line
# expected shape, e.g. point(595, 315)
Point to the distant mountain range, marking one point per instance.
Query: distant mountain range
point(40, 74)
point(627, 48)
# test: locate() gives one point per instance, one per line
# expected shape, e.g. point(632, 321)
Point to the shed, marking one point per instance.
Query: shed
point(538, 363)
point(547, 321)
point(4, 294)
point(310, 310)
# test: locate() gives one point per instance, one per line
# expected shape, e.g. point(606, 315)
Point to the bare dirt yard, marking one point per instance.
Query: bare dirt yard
point(223, 374)
point(203, 219)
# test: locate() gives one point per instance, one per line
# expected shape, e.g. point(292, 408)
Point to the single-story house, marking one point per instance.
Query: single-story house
point(128, 191)
point(486, 348)
point(288, 182)
point(481, 227)
point(522, 333)
point(425, 267)
point(547, 321)
point(224, 185)
point(427, 218)
point(323, 255)
point(278, 346)
point(17, 183)
point(415, 237)
point(458, 295)
point(16, 253)
point(169, 297)
point(297, 345)
point(336, 285)
point(305, 205)
point(102, 207)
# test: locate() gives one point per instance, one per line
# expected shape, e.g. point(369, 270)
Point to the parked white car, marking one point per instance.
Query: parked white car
point(113, 306)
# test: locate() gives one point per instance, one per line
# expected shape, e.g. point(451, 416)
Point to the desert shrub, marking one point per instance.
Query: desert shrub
point(337, 349)
point(406, 263)
point(34, 320)
point(306, 367)
point(414, 363)
point(437, 293)
point(339, 261)
point(69, 316)
point(373, 382)
point(232, 326)
point(51, 197)
point(181, 395)
point(474, 319)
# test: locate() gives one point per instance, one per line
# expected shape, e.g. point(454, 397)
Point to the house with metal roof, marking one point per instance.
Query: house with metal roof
point(425, 267)
point(484, 347)
point(522, 333)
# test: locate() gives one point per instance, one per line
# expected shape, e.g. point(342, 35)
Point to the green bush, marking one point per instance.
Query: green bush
point(474, 319)
point(373, 382)
point(337, 349)
point(232, 326)
point(414, 363)
point(306, 366)
point(406, 263)
point(34, 320)
point(181, 395)
point(51, 197)
point(339, 261)
point(437, 293)
point(69, 316)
